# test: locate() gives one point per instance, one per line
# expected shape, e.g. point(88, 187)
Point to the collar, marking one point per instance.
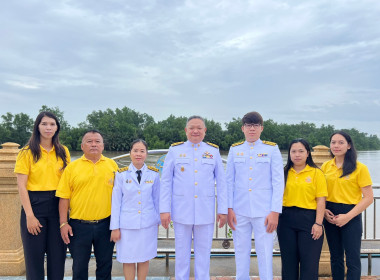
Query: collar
point(133, 168)
point(44, 150)
point(250, 144)
point(306, 169)
point(102, 158)
point(192, 145)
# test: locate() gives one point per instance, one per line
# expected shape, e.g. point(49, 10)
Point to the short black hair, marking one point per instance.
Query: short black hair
point(252, 117)
point(93, 131)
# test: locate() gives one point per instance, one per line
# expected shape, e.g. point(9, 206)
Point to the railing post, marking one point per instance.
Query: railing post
point(11, 250)
point(320, 155)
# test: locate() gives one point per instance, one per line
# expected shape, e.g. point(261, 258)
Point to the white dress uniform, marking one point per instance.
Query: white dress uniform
point(188, 193)
point(255, 180)
point(135, 211)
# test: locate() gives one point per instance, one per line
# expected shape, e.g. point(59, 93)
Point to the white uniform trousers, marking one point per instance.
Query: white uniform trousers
point(264, 247)
point(202, 248)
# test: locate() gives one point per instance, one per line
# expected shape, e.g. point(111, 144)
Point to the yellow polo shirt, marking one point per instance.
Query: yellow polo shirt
point(345, 190)
point(44, 174)
point(303, 188)
point(89, 187)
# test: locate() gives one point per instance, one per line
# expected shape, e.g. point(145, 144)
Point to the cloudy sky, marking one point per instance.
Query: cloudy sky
point(315, 61)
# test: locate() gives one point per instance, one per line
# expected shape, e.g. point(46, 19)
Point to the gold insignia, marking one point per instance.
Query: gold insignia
point(241, 154)
point(269, 143)
point(122, 169)
point(153, 168)
point(149, 182)
point(182, 168)
point(177, 143)
point(308, 179)
point(213, 145)
point(184, 155)
point(130, 181)
point(237, 144)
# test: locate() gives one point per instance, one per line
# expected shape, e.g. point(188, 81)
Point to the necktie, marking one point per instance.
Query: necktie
point(138, 175)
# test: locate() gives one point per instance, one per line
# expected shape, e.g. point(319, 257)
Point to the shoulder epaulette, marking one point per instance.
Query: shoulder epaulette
point(237, 144)
point(269, 143)
point(213, 145)
point(177, 143)
point(123, 169)
point(153, 168)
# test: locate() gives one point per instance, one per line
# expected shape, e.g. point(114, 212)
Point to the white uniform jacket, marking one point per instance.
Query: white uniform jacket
point(135, 205)
point(188, 183)
point(255, 178)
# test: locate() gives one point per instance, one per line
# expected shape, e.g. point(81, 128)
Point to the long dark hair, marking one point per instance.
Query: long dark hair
point(34, 142)
point(309, 160)
point(349, 164)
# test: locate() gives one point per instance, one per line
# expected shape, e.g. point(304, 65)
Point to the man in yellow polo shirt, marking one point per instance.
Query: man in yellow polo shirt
point(86, 188)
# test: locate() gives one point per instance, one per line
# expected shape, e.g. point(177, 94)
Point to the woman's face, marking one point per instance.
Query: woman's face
point(298, 154)
point(339, 145)
point(138, 154)
point(47, 128)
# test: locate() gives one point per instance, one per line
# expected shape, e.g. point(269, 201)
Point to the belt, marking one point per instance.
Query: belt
point(91, 221)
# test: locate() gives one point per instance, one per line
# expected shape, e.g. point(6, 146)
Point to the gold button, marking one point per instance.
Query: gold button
point(139, 211)
point(195, 159)
point(250, 179)
point(139, 202)
point(250, 189)
point(195, 196)
point(195, 149)
point(139, 192)
point(250, 157)
point(250, 167)
point(192, 145)
point(251, 148)
point(196, 171)
point(196, 183)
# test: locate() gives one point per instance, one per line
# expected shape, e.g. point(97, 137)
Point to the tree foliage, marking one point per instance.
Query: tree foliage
point(121, 126)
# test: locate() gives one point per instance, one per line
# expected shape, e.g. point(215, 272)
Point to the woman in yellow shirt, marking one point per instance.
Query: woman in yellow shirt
point(300, 230)
point(39, 167)
point(349, 194)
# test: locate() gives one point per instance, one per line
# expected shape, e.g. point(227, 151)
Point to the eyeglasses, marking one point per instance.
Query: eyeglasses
point(252, 125)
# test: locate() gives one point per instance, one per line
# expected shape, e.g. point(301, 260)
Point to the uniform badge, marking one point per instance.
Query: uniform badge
point(148, 182)
point(262, 155)
point(182, 168)
point(308, 179)
point(128, 181)
point(207, 155)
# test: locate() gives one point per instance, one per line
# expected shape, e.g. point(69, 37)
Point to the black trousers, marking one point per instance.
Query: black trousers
point(300, 253)
point(49, 241)
point(85, 236)
point(344, 240)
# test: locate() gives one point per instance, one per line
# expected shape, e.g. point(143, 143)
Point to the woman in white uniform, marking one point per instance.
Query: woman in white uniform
point(135, 213)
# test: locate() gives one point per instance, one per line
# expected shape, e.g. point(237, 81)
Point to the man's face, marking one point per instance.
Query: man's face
point(92, 144)
point(252, 131)
point(195, 131)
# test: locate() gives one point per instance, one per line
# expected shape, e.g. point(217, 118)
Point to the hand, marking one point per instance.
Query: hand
point(65, 231)
point(221, 219)
point(329, 216)
point(231, 218)
point(316, 231)
point(271, 221)
point(33, 225)
point(165, 220)
point(341, 219)
point(115, 235)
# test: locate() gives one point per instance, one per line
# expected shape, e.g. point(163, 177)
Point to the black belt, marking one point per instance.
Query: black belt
point(90, 221)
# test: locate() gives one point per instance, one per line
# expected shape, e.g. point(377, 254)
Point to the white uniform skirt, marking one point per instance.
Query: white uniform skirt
point(137, 245)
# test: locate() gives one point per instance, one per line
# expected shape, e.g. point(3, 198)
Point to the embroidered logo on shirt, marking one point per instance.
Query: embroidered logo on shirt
point(262, 155)
point(207, 155)
point(308, 179)
point(347, 177)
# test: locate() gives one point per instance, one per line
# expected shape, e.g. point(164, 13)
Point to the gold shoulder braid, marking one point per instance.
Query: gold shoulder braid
point(237, 144)
point(269, 143)
point(213, 145)
point(153, 168)
point(123, 169)
point(177, 143)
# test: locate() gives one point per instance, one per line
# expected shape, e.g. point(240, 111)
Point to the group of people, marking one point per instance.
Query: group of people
point(90, 203)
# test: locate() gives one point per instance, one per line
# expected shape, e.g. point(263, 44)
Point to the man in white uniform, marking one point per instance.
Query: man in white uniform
point(255, 180)
point(187, 196)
